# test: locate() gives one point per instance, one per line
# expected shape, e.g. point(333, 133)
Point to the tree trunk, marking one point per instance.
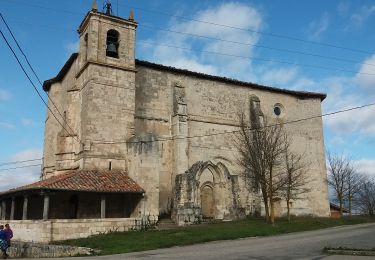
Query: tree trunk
point(272, 211)
point(288, 209)
point(340, 204)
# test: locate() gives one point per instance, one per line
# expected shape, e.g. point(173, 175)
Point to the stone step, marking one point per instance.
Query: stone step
point(164, 224)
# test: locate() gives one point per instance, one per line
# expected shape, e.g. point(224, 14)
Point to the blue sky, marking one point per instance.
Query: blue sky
point(47, 32)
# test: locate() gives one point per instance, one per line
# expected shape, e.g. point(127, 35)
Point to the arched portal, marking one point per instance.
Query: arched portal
point(207, 201)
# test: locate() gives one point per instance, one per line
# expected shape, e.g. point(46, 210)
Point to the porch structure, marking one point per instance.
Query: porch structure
point(84, 200)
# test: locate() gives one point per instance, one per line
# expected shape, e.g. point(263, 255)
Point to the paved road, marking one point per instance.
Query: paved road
point(303, 245)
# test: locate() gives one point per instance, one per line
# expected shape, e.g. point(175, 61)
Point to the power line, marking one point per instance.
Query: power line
point(20, 167)
point(257, 45)
point(32, 69)
point(35, 88)
point(234, 131)
point(255, 58)
point(17, 162)
point(250, 30)
point(144, 25)
point(237, 42)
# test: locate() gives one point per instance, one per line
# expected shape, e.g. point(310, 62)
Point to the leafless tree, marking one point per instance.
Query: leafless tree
point(261, 150)
point(296, 176)
point(366, 196)
point(353, 182)
point(340, 169)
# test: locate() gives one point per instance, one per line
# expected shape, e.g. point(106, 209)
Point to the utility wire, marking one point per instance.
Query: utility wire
point(32, 69)
point(254, 58)
point(257, 45)
point(35, 88)
point(17, 162)
point(220, 133)
point(251, 129)
point(235, 42)
point(20, 167)
point(211, 23)
point(249, 30)
point(147, 26)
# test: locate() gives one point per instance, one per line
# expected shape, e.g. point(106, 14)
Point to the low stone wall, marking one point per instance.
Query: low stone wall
point(37, 250)
point(45, 231)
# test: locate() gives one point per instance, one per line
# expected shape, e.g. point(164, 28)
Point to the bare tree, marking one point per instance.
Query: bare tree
point(353, 183)
point(295, 175)
point(339, 170)
point(260, 150)
point(366, 196)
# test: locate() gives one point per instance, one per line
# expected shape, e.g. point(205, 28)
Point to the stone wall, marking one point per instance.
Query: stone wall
point(45, 231)
point(38, 250)
point(211, 107)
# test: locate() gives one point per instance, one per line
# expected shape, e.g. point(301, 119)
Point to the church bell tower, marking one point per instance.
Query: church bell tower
point(106, 78)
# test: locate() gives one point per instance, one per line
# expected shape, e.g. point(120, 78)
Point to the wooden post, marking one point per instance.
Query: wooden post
point(46, 207)
point(24, 209)
point(3, 209)
point(102, 207)
point(12, 209)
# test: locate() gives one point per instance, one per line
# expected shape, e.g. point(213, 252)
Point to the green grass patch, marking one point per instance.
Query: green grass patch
point(124, 242)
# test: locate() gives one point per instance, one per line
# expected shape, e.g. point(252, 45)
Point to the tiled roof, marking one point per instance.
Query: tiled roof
point(302, 94)
point(85, 180)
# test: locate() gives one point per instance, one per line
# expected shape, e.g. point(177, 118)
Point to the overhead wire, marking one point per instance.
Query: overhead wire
point(232, 27)
point(249, 30)
point(252, 129)
point(17, 162)
point(20, 167)
point(219, 133)
point(35, 74)
point(34, 87)
point(254, 58)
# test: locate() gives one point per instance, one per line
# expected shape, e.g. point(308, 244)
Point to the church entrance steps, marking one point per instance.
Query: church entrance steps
point(165, 224)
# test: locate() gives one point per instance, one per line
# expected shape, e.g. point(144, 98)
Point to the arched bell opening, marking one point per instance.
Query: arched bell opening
point(112, 43)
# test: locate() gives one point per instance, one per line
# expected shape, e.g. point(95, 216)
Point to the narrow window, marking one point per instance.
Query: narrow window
point(112, 44)
point(86, 45)
point(110, 165)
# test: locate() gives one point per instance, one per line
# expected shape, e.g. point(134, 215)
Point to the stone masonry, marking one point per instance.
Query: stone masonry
point(139, 117)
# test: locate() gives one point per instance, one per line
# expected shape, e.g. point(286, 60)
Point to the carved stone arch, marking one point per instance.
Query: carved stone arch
point(209, 165)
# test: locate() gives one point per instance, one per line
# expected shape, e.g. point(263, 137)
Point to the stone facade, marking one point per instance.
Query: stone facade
point(167, 128)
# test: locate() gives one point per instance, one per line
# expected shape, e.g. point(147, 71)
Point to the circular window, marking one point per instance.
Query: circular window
point(278, 109)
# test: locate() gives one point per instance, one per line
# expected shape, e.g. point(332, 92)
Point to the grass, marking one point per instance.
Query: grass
point(124, 242)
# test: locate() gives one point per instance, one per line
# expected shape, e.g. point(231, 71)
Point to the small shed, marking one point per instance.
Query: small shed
point(335, 211)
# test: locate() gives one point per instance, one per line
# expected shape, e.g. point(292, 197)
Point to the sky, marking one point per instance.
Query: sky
point(319, 46)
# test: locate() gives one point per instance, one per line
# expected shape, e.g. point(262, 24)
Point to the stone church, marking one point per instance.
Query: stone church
point(138, 139)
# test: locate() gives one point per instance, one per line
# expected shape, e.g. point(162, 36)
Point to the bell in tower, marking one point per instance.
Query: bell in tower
point(112, 43)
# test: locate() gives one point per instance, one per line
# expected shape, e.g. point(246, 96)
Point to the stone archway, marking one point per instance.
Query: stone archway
point(207, 202)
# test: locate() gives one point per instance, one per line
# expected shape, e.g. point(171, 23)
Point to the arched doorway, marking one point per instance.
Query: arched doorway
point(207, 202)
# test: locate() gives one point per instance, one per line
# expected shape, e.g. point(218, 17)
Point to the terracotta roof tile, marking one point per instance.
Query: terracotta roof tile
point(85, 180)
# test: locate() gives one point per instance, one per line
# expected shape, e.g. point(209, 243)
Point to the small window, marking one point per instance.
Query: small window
point(112, 43)
point(278, 109)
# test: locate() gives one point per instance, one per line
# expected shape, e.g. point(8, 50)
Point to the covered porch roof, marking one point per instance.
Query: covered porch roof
point(100, 181)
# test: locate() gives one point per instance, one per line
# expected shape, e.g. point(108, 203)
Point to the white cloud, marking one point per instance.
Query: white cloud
point(279, 76)
point(318, 27)
point(18, 177)
point(72, 47)
point(358, 18)
point(365, 81)
point(27, 122)
point(366, 166)
point(4, 125)
point(231, 14)
point(4, 95)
